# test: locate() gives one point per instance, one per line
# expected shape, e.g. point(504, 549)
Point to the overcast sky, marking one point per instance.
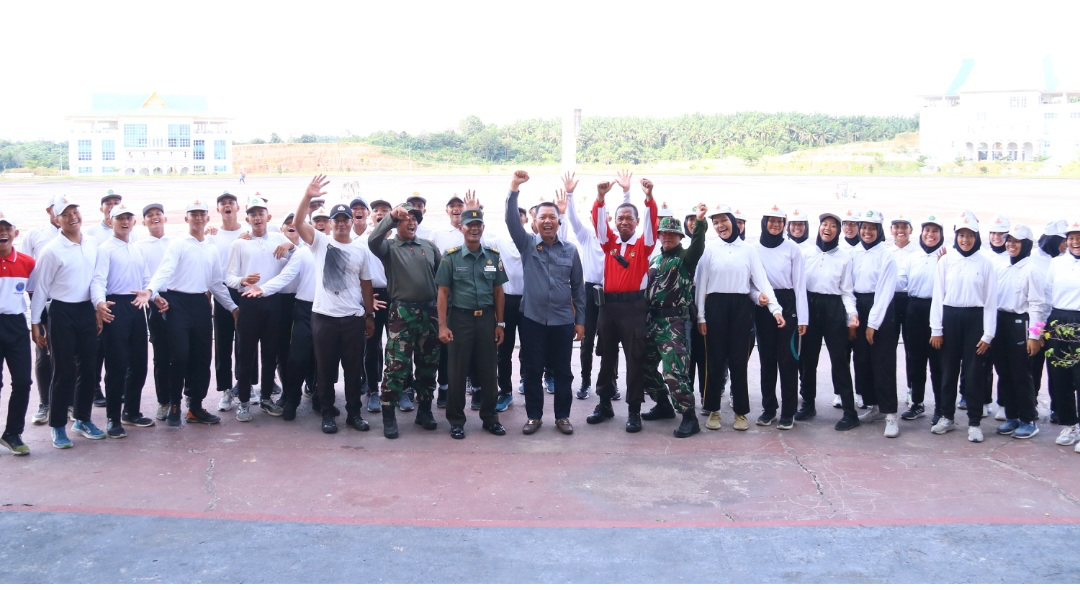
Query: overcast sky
point(333, 67)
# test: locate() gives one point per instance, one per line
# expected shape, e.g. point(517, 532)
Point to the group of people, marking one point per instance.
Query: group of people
point(312, 298)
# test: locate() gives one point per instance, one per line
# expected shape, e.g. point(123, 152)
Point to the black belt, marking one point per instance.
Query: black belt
point(474, 312)
point(625, 296)
point(864, 295)
point(669, 312)
point(414, 305)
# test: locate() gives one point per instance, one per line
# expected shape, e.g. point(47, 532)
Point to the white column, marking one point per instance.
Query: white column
point(571, 124)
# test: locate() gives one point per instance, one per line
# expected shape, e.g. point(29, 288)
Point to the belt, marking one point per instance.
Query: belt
point(625, 296)
point(414, 305)
point(474, 312)
point(669, 312)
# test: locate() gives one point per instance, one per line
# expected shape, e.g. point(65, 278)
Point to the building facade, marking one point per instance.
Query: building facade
point(991, 116)
point(137, 135)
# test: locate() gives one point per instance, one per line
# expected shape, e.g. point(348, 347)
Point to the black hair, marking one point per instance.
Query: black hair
point(625, 206)
point(547, 204)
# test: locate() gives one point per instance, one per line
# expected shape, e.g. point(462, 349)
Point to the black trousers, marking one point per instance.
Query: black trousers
point(589, 344)
point(373, 350)
point(918, 353)
point(285, 316)
point(1064, 382)
point(875, 366)
point(43, 361)
point(728, 318)
point(190, 330)
point(696, 368)
point(776, 352)
point(301, 353)
point(73, 343)
point(339, 340)
point(828, 322)
point(512, 318)
point(225, 345)
point(473, 346)
point(159, 340)
point(551, 347)
point(259, 323)
point(622, 322)
point(15, 350)
point(1016, 391)
point(900, 307)
point(125, 358)
point(962, 327)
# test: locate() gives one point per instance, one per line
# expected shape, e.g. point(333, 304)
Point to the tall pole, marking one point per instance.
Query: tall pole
point(571, 124)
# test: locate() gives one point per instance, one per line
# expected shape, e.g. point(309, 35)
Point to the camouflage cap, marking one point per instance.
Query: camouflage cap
point(670, 225)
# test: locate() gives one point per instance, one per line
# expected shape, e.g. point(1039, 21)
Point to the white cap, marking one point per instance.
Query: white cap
point(798, 215)
point(967, 220)
point(1073, 227)
point(52, 202)
point(1056, 228)
point(119, 210)
point(900, 218)
point(722, 210)
point(61, 203)
point(256, 202)
point(776, 211)
point(662, 212)
point(4, 219)
point(872, 216)
point(1021, 232)
point(1000, 224)
point(933, 220)
point(851, 216)
point(737, 213)
point(320, 212)
point(197, 205)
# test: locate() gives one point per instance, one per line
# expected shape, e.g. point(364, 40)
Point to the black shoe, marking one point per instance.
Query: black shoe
point(633, 420)
point(358, 423)
point(661, 411)
point(475, 404)
point(115, 430)
point(848, 422)
point(174, 416)
point(440, 401)
point(915, 411)
point(601, 412)
point(936, 418)
point(806, 412)
point(457, 432)
point(424, 417)
point(785, 423)
point(689, 426)
point(584, 391)
point(201, 416)
point(495, 428)
point(389, 422)
point(99, 399)
point(288, 413)
point(766, 418)
point(1054, 418)
point(329, 425)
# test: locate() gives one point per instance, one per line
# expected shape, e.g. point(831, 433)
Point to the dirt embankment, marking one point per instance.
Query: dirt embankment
point(283, 158)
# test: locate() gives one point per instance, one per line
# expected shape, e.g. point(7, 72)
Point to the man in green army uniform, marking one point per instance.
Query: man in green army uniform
point(410, 263)
point(470, 280)
point(670, 293)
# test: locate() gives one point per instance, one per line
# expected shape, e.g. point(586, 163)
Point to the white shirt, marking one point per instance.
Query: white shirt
point(298, 275)
point(965, 281)
point(1022, 289)
point(153, 249)
point(785, 268)
point(255, 256)
point(224, 239)
point(339, 268)
point(64, 271)
point(423, 232)
point(874, 271)
point(916, 273)
point(378, 272)
point(191, 266)
point(120, 269)
point(1063, 279)
point(511, 260)
point(731, 268)
point(99, 231)
point(999, 261)
point(592, 255)
point(829, 273)
point(33, 246)
point(901, 255)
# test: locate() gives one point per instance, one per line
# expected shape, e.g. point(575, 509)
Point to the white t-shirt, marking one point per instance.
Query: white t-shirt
point(339, 268)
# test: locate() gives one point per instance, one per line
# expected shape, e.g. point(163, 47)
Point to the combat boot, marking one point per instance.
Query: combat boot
point(423, 415)
point(633, 418)
point(661, 411)
point(689, 426)
point(389, 422)
point(601, 412)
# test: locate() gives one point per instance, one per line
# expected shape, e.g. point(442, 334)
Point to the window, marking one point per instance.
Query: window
point(200, 149)
point(110, 170)
point(1017, 102)
point(219, 149)
point(179, 135)
point(85, 153)
point(108, 149)
point(1075, 115)
point(86, 170)
point(200, 170)
point(134, 135)
point(219, 168)
point(1049, 115)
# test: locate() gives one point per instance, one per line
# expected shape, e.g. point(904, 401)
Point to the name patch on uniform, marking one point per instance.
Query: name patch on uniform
point(489, 268)
point(461, 269)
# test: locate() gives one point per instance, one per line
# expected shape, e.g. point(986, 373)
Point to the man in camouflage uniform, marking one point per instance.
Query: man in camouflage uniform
point(412, 325)
point(670, 293)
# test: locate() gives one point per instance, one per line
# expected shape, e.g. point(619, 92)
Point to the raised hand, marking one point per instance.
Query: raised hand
point(603, 189)
point(560, 200)
point(623, 180)
point(569, 182)
point(315, 188)
point(399, 213)
point(701, 211)
point(647, 186)
point(520, 178)
point(471, 202)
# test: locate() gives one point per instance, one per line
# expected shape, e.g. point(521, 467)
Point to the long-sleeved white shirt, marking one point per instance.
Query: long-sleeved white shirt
point(298, 274)
point(511, 259)
point(153, 250)
point(592, 255)
point(1063, 279)
point(999, 261)
point(191, 266)
point(731, 268)
point(34, 244)
point(965, 281)
point(785, 268)
point(874, 271)
point(901, 255)
point(916, 273)
point(64, 271)
point(378, 272)
point(829, 273)
point(255, 256)
point(223, 241)
point(120, 269)
point(1022, 289)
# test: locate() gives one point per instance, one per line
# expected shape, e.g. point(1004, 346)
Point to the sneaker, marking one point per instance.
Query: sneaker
point(1026, 430)
point(243, 412)
point(962, 405)
point(173, 417)
point(1068, 436)
point(41, 416)
point(741, 423)
point(766, 418)
point(785, 423)
point(521, 387)
point(549, 384)
point(1009, 426)
point(873, 415)
point(115, 430)
point(584, 391)
point(986, 411)
point(914, 412)
point(474, 405)
point(892, 426)
point(358, 423)
point(837, 402)
point(405, 403)
point(848, 422)
point(505, 401)
point(200, 416)
point(617, 395)
point(88, 430)
point(14, 443)
point(226, 402)
point(329, 425)
point(469, 387)
point(936, 418)
point(139, 420)
point(944, 425)
point(60, 439)
point(1000, 414)
point(374, 404)
point(859, 403)
point(270, 408)
point(713, 423)
point(162, 411)
point(975, 434)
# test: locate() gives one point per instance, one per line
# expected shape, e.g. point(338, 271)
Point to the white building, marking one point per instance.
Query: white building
point(998, 113)
point(136, 135)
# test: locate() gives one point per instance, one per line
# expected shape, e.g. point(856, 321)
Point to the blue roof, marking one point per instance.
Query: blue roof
point(965, 70)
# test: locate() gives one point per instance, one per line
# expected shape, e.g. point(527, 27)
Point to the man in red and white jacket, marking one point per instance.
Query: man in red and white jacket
point(15, 272)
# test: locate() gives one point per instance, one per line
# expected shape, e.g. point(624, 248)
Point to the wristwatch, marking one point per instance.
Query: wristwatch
point(500, 324)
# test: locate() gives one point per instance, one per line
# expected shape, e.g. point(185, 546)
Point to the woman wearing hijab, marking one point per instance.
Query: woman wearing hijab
point(1064, 282)
point(916, 276)
point(874, 271)
point(963, 321)
point(1021, 304)
point(831, 307)
point(798, 229)
point(1051, 245)
point(778, 343)
point(728, 272)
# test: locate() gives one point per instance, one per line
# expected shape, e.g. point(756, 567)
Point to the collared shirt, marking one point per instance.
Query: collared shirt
point(671, 273)
point(410, 264)
point(1063, 280)
point(965, 281)
point(636, 250)
point(785, 268)
point(153, 250)
point(999, 260)
point(255, 256)
point(830, 273)
point(100, 232)
point(916, 274)
point(120, 269)
point(471, 276)
point(511, 258)
point(339, 268)
point(732, 268)
point(223, 240)
point(554, 292)
point(874, 271)
point(378, 273)
point(15, 272)
point(34, 245)
point(592, 254)
point(191, 265)
point(901, 255)
point(298, 274)
point(1022, 289)
point(64, 272)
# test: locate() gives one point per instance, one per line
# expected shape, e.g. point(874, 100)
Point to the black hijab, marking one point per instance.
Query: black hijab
point(734, 229)
point(997, 249)
point(1051, 244)
point(853, 241)
point(805, 234)
point(928, 248)
point(1025, 251)
point(767, 239)
point(831, 244)
point(974, 249)
point(880, 236)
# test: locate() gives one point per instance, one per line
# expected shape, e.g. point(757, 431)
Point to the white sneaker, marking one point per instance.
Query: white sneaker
point(873, 415)
point(836, 402)
point(986, 411)
point(1000, 414)
point(975, 434)
point(162, 411)
point(1077, 448)
point(243, 413)
point(41, 416)
point(859, 402)
point(944, 425)
point(226, 401)
point(892, 426)
point(1069, 436)
point(909, 398)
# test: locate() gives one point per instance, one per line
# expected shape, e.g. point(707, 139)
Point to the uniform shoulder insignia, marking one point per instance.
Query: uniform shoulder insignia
point(452, 250)
point(493, 249)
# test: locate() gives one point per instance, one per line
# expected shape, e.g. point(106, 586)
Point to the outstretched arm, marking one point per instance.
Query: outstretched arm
point(314, 189)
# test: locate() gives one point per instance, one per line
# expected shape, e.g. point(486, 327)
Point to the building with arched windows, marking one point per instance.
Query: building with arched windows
point(993, 114)
point(139, 135)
